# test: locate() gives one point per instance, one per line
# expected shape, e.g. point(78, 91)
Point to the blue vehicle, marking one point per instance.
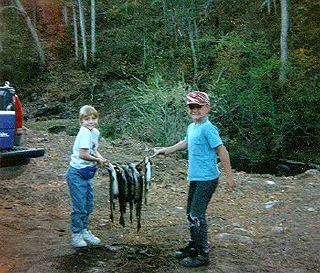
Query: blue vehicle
point(13, 158)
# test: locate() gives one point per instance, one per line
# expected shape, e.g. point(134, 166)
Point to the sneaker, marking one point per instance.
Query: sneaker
point(90, 238)
point(77, 240)
point(186, 251)
point(200, 259)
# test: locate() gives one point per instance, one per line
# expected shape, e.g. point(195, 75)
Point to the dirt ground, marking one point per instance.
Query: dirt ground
point(268, 224)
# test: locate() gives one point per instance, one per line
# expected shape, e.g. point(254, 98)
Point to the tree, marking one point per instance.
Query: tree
point(283, 37)
point(93, 29)
point(284, 42)
point(194, 54)
point(83, 33)
point(64, 11)
point(75, 31)
point(19, 7)
point(1, 31)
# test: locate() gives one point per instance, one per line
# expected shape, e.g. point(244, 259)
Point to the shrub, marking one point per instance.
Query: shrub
point(153, 112)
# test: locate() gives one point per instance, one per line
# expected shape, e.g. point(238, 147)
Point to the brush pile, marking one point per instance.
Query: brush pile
point(129, 184)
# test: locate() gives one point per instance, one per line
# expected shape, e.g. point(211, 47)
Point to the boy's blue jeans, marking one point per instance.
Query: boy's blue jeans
point(199, 195)
point(81, 193)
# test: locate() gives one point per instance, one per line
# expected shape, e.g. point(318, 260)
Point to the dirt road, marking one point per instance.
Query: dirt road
point(268, 224)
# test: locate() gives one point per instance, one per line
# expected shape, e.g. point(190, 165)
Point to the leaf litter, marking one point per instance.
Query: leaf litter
point(260, 227)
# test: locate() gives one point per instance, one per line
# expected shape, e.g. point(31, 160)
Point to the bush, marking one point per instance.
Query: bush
point(153, 112)
point(247, 81)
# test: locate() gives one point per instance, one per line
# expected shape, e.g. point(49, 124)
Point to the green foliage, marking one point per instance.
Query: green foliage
point(19, 58)
point(65, 84)
point(154, 112)
point(246, 73)
point(302, 113)
point(235, 45)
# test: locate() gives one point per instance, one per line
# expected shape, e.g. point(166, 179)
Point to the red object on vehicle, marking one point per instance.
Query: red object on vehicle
point(19, 114)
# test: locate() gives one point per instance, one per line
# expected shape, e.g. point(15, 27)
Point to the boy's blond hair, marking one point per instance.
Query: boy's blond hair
point(87, 110)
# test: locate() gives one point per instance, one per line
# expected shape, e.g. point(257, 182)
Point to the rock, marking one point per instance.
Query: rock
point(270, 183)
point(278, 230)
point(179, 209)
point(283, 169)
point(248, 182)
point(310, 173)
point(272, 204)
point(235, 238)
point(110, 248)
point(236, 225)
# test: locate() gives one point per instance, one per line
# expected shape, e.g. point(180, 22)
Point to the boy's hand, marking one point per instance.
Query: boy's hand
point(101, 161)
point(162, 151)
point(231, 184)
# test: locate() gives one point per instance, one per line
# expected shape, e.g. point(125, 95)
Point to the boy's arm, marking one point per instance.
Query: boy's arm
point(101, 158)
point(225, 161)
point(181, 145)
point(83, 153)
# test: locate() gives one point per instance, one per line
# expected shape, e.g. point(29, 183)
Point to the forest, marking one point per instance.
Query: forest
point(135, 60)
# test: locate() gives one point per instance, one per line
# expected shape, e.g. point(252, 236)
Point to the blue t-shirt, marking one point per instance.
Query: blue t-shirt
point(202, 139)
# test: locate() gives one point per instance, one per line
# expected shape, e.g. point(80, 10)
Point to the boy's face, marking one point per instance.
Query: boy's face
point(198, 112)
point(89, 122)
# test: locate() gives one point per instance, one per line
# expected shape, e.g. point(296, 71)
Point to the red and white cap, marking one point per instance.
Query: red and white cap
point(197, 97)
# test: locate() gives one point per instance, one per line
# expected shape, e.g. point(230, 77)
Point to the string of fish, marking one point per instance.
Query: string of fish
point(129, 184)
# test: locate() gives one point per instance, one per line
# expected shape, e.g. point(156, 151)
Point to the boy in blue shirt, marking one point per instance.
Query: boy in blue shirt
point(203, 143)
point(84, 158)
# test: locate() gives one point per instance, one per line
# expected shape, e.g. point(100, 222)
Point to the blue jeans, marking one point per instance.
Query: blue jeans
point(199, 196)
point(81, 193)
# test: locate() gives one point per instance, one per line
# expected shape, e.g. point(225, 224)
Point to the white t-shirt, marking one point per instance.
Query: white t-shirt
point(86, 139)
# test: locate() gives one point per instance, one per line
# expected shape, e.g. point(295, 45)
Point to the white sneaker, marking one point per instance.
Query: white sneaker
point(90, 238)
point(77, 240)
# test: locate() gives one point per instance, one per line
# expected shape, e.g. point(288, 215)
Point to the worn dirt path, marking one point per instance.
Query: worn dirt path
point(268, 224)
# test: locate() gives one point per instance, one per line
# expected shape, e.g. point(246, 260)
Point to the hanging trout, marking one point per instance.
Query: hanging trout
point(130, 189)
point(113, 189)
point(138, 193)
point(147, 177)
point(122, 182)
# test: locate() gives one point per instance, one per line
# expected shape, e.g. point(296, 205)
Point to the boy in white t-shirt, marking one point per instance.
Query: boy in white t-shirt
point(83, 164)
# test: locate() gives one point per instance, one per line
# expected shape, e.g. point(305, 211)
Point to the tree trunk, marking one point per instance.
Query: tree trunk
point(204, 11)
point(284, 42)
point(194, 55)
point(283, 37)
point(1, 31)
point(34, 14)
point(64, 11)
point(75, 31)
point(83, 33)
point(93, 30)
point(32, 30)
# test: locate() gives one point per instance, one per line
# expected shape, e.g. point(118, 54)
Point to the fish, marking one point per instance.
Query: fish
point(129, 184)
point(125, 182)
point(138, 193)
point(138, 200)
point(114, 181)
point(113, 189)
point(147, 177)
point(135, 175)
point(122, 194)
point(148, 169)
point(130, 189)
